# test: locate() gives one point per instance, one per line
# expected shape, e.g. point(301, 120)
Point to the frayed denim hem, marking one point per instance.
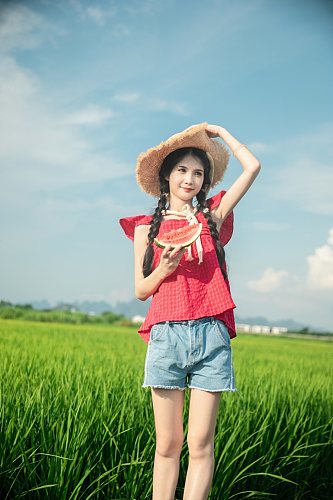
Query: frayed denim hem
point(189, 387)
point(212, 390)
point(165, 387)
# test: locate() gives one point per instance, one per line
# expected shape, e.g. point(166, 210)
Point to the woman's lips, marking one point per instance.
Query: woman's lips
point(188, 189)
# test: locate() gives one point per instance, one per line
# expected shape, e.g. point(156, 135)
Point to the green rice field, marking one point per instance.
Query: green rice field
point(76, 424)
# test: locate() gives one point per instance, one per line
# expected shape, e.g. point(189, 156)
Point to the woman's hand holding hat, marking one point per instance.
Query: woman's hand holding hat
point(213, 130)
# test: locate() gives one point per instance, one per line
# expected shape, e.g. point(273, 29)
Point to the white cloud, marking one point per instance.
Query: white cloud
point(302, 170)
point(271, 226)
point(259, 147)
point(153, 104)
point(38, 150)
point(94, 12)
point(65, 215)
point(78, 205)
point(271, 280)
point(100, 15)
point(320, 266)
point(143, 7)
point(306, 183)
point(90, 115)
point(23, 28)
point(127, 97)
point(170, 106)
point(120, 30)
point(19, 28)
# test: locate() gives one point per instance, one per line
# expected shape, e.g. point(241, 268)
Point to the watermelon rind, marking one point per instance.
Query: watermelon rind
point(162, 244)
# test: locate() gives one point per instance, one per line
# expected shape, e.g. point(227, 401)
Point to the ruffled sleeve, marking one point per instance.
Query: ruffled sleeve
point(228, 225)
point(129, 224)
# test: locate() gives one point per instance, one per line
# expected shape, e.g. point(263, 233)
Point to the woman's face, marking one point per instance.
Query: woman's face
point(186, 178)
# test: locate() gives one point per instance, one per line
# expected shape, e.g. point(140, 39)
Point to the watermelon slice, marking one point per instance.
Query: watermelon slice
point(183, 236)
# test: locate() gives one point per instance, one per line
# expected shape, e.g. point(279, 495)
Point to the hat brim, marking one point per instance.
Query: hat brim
point(149, 163)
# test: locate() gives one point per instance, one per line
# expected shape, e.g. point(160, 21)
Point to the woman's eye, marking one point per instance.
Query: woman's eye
point(183, 169)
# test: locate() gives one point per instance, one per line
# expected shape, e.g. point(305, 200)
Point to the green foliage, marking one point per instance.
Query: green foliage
point(27, 313)
point(76, 423)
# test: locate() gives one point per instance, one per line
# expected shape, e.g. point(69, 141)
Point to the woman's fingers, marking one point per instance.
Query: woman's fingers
point(165, 251)
point(176, 251)
point(213, 130)
point(170, 252)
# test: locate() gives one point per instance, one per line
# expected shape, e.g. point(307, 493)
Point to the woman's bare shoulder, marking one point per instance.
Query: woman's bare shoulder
point(141, 234)
point(142, 229)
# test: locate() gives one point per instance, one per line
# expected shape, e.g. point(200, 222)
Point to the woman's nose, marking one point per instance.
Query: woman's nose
point(188, 179)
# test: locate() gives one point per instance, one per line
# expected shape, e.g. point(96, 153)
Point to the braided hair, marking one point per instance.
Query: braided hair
point(169, 162)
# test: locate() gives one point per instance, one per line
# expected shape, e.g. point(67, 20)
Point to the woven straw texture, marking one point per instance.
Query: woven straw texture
point(149, 162)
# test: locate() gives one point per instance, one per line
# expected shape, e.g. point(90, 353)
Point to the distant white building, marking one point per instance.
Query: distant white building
point(270, 330)
point(278, 329)
point(138, 319)
point(242, 327)
point(265, 329)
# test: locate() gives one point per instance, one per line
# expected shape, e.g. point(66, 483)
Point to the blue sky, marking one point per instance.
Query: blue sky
point(86, 86)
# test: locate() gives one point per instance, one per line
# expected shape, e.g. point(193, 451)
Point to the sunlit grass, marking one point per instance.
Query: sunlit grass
point(76, 424)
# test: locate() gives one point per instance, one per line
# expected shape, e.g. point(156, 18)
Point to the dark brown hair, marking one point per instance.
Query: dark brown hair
point(168, 164)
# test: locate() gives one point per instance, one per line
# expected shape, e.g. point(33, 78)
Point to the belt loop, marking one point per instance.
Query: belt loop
point(213, 320)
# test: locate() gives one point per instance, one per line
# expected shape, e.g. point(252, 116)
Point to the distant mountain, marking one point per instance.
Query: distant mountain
point(98, 307)
point(137, 307)
point(133, 307)
point(38, 304)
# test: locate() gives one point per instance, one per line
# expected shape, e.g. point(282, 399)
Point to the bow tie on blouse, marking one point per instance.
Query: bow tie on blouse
point(187, 212)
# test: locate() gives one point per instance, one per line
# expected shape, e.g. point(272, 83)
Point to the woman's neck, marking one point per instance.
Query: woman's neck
point(181, 208)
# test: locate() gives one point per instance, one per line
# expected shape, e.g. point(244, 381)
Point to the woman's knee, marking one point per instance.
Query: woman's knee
point(200, 446)
point(169, 445)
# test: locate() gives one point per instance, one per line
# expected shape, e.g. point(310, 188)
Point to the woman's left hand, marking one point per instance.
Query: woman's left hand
point(213, 130)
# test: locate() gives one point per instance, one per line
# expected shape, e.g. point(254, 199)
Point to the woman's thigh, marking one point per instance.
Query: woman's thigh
point(168, 405)
point(203, 411)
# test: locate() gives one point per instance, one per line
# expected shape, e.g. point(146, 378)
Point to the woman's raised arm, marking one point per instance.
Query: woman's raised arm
point(251, 167)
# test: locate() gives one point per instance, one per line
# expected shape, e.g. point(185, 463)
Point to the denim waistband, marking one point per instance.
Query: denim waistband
point(189, 322)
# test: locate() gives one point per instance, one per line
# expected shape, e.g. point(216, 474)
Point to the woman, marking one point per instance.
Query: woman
point(190, 321)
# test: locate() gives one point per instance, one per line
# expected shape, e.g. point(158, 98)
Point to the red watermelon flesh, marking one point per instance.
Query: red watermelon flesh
point(183, 236)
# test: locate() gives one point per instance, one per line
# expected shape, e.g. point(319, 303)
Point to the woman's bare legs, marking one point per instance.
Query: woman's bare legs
point(168, 407)
point(203, 412)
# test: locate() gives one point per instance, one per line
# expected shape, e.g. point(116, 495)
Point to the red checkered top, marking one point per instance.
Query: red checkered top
point(193, 290)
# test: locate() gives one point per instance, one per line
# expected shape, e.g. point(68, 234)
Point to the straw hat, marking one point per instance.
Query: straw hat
point(150, 162)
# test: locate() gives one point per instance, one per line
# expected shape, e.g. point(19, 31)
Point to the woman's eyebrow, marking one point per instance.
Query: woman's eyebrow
point(196, 169)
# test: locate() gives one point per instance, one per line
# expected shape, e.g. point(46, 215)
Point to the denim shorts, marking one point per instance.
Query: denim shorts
point(192, 353)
